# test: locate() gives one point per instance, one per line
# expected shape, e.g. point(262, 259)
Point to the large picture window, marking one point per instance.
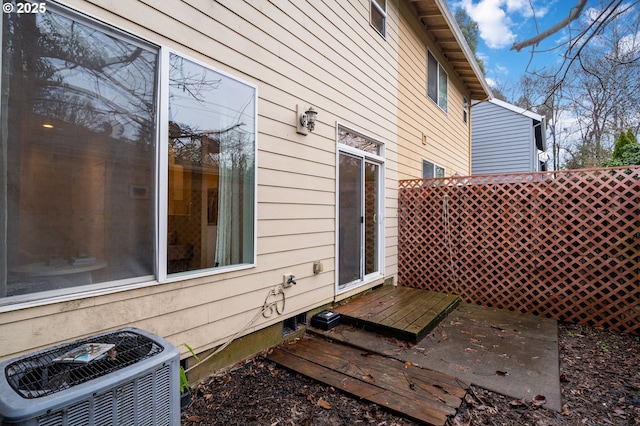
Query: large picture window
point(79, 144)
point(211, 169)
point(77, 169)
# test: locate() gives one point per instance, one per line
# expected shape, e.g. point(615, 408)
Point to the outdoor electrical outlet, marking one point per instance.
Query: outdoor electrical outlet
point(288, 280)
point(317, 267)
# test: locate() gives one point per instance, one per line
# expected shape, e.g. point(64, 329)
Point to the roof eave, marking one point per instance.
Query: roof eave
point(452, 44)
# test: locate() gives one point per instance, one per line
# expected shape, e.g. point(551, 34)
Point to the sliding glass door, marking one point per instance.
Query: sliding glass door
point(359, 219)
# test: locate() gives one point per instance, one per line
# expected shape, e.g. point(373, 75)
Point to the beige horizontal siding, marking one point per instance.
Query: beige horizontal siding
point(348, 73)
point(447, 136)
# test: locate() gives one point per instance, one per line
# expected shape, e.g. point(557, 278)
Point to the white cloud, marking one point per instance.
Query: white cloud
point(518, 6)
point(486, 60)
point(501, 69)
point(629, 45)
point(624, 25)
point(491, 82)
point(493, 22)
point(494, 18)
point(527, 8)
point(591, 14)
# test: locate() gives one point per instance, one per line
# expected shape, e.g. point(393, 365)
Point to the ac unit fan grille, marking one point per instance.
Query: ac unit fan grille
point(39, 375)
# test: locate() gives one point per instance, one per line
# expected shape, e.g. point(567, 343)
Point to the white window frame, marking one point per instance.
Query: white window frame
point(163, 187)
point(436, 166)
point(374, 6)
point(440, 71)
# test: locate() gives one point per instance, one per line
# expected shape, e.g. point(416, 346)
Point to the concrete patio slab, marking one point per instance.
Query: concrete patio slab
point(510, 353)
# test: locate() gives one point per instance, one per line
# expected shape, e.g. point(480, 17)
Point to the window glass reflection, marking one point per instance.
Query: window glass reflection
point(357, 141)
point(211, 169)
point(77, 133)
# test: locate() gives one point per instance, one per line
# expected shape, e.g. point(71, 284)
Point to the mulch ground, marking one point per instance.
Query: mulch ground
point(600, 381)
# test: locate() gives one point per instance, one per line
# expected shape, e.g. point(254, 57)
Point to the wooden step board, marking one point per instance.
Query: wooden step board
point(401, 312)
point(422, 395)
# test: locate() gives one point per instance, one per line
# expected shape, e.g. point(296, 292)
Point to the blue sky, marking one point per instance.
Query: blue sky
point(503, 22)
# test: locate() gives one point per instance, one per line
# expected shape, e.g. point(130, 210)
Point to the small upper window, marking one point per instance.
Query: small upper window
point(379, 16)
point(431, 170)
point(436, 82)
point(360, 142)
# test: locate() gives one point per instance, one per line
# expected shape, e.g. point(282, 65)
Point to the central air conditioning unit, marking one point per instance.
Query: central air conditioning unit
point(127, 377)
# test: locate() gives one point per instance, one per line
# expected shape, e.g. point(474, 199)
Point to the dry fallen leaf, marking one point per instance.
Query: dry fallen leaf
point(112, 353)
point(312, 398)
point(470, 399)
point(458, 367)
point(457, 421)
point(194, 419)
point(324, 404)
point(401, 344)
point(619, 412)
point(369, 378)
point(518, 402)
point(538, 401)
point(408, 364)
point(502, 373)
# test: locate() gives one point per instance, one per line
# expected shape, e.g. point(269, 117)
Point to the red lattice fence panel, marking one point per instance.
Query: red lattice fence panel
point(563, 245)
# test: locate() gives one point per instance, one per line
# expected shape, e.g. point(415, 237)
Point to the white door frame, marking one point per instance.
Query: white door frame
point(366, 158)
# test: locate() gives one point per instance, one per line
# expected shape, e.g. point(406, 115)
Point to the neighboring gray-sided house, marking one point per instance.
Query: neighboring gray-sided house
point(506, 138)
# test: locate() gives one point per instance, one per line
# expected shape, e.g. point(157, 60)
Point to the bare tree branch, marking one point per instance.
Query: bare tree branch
point(573, 15)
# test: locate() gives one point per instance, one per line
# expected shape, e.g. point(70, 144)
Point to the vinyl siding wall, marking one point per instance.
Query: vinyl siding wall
point(502, 140)
point(447, 136)
point(320, 54)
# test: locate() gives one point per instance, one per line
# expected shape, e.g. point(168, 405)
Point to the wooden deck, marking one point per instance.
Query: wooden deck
point(420, 394)
point(401, 312)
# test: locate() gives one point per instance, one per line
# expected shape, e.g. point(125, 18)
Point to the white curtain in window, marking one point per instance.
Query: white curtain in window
point(235, 229)
point(228, 209)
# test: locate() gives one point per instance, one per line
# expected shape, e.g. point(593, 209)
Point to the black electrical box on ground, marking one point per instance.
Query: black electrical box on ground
point(325, 320)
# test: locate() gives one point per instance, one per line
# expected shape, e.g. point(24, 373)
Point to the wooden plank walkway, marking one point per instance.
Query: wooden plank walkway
point(400, 312)
point(422, 395)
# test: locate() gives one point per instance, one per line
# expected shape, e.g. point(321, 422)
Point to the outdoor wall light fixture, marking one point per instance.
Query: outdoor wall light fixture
point(309, 119)
point(306, 120)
